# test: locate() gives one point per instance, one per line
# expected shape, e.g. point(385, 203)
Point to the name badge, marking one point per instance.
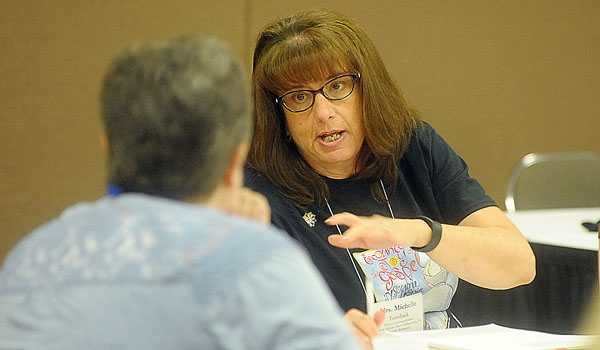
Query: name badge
point(403, 314)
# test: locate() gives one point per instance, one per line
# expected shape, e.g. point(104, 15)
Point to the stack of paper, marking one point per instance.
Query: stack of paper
point(488, 337)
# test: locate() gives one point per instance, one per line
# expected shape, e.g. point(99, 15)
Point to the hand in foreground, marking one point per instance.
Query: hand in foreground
point(243, 202)
point(376, 231)
point(364, 327)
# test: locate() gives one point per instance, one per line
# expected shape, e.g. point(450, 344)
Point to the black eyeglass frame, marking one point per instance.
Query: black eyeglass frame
point(354, 76)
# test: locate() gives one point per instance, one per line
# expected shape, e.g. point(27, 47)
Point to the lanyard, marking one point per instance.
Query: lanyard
point(352, 260)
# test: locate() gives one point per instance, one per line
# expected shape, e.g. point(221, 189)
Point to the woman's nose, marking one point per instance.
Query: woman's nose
point(322, 107)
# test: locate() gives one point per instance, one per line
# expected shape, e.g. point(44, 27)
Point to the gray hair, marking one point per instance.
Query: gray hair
point(174, 112)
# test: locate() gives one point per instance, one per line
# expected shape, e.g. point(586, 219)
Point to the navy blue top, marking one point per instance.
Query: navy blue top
point(433, 181)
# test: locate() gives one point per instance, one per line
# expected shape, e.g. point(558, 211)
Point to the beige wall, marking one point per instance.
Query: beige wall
point(498, 79)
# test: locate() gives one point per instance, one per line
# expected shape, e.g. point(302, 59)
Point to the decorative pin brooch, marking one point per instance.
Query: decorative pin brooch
point(310, 218)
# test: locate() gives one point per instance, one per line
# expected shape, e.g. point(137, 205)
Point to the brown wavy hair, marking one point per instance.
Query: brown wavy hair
point(312, 46)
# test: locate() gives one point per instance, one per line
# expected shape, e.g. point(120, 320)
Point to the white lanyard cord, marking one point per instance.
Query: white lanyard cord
point(348, 250)
point(387, 200)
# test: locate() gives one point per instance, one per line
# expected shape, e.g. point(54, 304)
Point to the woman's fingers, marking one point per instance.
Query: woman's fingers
point(364, 327)
point(371, 232)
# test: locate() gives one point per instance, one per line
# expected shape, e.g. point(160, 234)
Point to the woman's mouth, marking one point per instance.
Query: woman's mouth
point(331, 137)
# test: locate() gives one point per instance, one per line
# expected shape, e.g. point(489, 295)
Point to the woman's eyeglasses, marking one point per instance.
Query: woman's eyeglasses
point(335, 89)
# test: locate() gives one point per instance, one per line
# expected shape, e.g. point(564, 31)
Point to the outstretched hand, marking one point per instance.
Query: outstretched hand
point(374, 232)
point(244, 202)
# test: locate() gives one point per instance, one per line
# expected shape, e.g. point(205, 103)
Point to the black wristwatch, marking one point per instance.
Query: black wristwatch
point(436, 237)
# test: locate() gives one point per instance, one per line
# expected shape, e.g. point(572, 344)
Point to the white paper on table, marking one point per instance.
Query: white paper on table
point(488, 337)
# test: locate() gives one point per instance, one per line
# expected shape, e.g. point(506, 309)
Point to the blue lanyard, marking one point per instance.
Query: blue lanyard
point(113, 190)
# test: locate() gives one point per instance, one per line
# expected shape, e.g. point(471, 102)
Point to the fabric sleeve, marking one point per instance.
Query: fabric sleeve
point(457, 194)
point(282, 303)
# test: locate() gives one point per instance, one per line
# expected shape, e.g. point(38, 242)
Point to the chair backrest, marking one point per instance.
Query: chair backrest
point(554, 180)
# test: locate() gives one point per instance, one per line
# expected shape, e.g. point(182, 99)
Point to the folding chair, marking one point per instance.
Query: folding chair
point(554, 180)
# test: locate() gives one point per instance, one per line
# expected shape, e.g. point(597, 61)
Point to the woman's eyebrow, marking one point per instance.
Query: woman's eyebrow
point(303, 86)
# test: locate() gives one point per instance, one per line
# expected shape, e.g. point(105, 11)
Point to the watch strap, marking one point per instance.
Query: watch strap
point(436, 236)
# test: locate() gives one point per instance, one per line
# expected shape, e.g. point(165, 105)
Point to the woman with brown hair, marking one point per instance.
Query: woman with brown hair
point(346, 164)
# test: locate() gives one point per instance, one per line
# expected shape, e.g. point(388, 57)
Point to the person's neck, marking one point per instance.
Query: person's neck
point(337, 172)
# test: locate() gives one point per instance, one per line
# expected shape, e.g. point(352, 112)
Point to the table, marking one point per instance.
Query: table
point(491, 337)
point(558, 227)
point(567, 276)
